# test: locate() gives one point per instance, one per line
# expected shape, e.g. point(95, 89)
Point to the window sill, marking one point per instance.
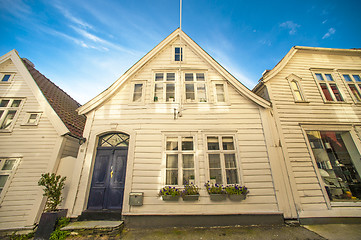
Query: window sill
point(346, 204)
point(5, 130)
point(302, 101)
point(333, 102)
point(5, 83)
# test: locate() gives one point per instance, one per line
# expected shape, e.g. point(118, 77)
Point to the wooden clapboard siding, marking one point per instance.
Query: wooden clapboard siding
point(291, 114)
point(151, 121)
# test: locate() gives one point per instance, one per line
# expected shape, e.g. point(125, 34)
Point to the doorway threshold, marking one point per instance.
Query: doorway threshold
point(104, 214)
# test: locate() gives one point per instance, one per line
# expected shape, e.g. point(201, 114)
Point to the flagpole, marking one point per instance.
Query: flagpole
point(180, 15)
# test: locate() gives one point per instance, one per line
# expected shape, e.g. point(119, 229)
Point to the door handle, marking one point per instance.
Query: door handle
point(111, 172)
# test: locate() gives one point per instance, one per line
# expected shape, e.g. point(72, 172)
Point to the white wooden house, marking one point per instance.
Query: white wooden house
point(316, 96)
point(177, 115)
point(39, 132)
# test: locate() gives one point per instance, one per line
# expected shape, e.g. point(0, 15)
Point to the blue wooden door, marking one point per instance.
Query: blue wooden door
point(107, 187)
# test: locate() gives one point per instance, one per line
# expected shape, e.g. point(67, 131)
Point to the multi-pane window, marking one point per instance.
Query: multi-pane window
point(178, 54)
point(179, 156)
point(297, 93)
point(8, 112)
point(220, 92)
point(221, 154)
point(195, 87)
point(329, 88)
point(138, 92)
point(354, 83)
point(7, 165)
point(164, 87)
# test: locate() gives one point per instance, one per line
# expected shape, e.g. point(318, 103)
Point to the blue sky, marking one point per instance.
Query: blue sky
point(84, 46)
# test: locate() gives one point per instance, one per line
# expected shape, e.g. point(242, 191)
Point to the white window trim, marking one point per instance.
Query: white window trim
point(236, 152)
point(225, 89)
point(184, 82)
point(183, 53)
point(164, 82)
point(297, 79)
point(179, 135)
point(142, 101)
point(11, 174)
point(324, 72)
point(2, 74)
point(346, 83)
point(10, 129)
point(27, 116)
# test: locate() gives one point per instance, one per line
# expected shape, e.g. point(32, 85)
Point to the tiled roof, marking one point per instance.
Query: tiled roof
point(61, 102)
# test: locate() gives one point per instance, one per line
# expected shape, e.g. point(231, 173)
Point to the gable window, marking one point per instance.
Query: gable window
point(220, 93)
point(329, 87)
point(138, 91)
point(178, 54)
point(6, 77)
point(7, 166)
point(164, 87)
point(195, 87)
point(32, 118)
point(221, 154)
point(354, 84)
point(179, 156)
point(297, 91)
point(8, 111)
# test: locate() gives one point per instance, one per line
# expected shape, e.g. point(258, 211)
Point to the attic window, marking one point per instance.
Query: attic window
point(6, 77)
point(178, 54)
point(32, 118)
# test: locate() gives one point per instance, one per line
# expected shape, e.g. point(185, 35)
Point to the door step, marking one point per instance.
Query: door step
point(96, 215)
point(91, 229)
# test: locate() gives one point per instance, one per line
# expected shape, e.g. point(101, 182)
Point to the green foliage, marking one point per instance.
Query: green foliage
point(22, 237)
point(169, 191)
point(59, 235)
point(214, 189)
point(62, 222)
point(53, 185)
point(190, 189)
point(236, 190)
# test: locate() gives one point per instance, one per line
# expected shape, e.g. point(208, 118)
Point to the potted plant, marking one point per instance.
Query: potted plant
point(236, 192)
point(216, 191)
point(190, 192)
point(169, 193)
point(53, 185)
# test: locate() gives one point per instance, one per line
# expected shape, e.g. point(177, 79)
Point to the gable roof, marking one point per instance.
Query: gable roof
point(64, 106)
point(102, 97)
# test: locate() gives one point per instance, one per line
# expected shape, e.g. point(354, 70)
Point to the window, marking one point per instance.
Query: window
point(32, 118)
point(7, 166)
point(195, 87)
point(354, 83)
point(178, 54)
point(220, 93)
point(138, 92)
point(221, 154)
point(179, 156)
point(164, 87)
point(328, 87)
point(297, 94)
point(6, 77)
point(8, 112)
point(338, 162)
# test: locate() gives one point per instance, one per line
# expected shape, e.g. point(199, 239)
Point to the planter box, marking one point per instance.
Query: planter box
point(218, 197)
point(170, 198)
point(47, 223)
point(190, 197)
point(235, 197)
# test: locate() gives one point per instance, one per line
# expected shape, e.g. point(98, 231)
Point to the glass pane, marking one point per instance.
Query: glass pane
point(178, 56)
point(187, 143)
point(4, 103)
point(190, 91)
point(8, 165)
point(8, 119)
point(214, 161)
point(32, 118)
point(170, 93)
point(212, 143)
point(158, 92)
point(227, 143)
point(329, 77)
point(336, 92)
point(319, 76)
point(1, 113)
point(172, 161)
point(170, 76)
point(298, 96)
point(188, 176)
point(137, 96)
point(347, 78)
point(201, 91)
point(294, 85)
point(6, 78)
point(230, 160)
point(159, 77)
point(220, 92)
point(188, 161)
point(16, 103)
point(355, 92)
point(172, 143)
point(216, 174)
point(357, 78)
point(231, 175)
point(325, 91)
point(172, 177)
point(200, 76)
point(189, 76)
point(3, 179)
point(114, 140)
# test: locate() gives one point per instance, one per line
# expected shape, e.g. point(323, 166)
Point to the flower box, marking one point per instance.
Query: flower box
point(218, 197)
point(237, 197)
point(190, 197)
point(170, 198)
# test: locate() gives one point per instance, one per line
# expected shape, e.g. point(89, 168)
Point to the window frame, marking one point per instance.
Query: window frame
point(328, 86)
point(27, 118)
point(195, 84)
point(131, 97)
point(183, 57)
point(225, 92)
point(222, 152)
point(9, 81)
point(164, 83)
point(9, 173)
point(179, 152)
point(8, 108)
point(357, 84)
point(293, 78)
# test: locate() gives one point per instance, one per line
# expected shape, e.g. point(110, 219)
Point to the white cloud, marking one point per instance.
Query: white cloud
point(330, 32)
point(72, 18)
point(323, 22)
point(291, 26)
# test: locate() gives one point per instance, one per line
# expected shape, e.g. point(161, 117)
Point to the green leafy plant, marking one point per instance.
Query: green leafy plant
point(59, 235)
point(169, 191)
point(236, 190)
point(53, 185)
point(214, 188)
point(190, 189)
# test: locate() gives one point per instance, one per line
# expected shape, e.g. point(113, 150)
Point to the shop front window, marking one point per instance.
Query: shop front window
point(338, 162)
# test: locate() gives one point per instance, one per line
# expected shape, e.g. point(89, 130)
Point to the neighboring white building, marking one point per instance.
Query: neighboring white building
point(316, 96)
point(39, 133)
point(177, 115)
